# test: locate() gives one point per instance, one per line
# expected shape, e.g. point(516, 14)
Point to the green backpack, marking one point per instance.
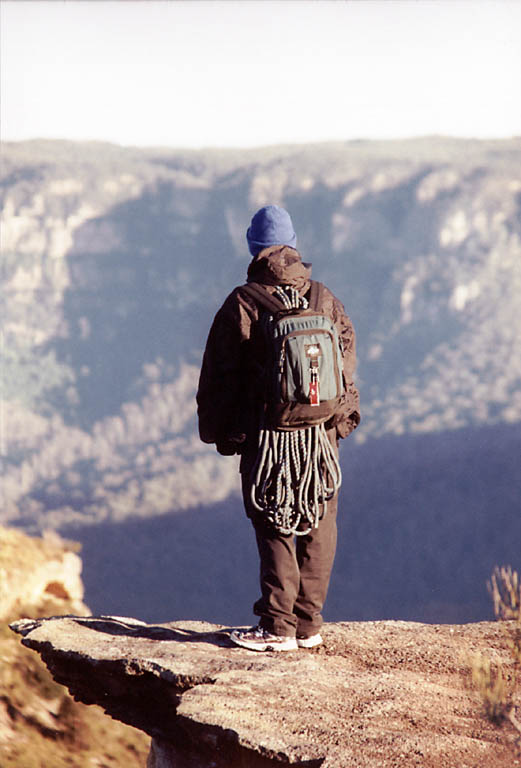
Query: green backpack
point(304, 380)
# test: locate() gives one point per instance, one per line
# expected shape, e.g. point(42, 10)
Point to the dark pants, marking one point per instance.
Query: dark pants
point(294, 573)
point(294, 576)
point(294, 570)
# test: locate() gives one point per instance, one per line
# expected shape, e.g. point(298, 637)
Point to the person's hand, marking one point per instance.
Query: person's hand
point(231, 444)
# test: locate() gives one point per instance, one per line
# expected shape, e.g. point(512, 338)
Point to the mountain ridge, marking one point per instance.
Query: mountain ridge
point(115, 260)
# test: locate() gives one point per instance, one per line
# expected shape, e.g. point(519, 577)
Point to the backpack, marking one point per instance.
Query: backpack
point(303, 371)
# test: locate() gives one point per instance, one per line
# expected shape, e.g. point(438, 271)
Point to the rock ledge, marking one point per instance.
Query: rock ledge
point(386, 693)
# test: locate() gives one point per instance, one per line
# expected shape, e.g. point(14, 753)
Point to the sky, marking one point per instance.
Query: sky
point(246, 73)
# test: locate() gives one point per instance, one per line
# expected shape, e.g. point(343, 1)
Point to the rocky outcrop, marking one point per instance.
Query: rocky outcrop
point(383, 693)
point(40, 724)
point(35, 571)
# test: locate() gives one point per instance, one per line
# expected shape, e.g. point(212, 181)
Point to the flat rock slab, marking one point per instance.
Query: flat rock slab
point(385, 693)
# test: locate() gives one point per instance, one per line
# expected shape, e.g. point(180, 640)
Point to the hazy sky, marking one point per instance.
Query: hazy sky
point(244, 73)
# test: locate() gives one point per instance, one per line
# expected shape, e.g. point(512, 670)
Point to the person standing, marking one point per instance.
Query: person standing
point(289, 462)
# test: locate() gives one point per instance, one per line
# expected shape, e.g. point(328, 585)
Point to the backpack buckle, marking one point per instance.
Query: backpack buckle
point(313, 351)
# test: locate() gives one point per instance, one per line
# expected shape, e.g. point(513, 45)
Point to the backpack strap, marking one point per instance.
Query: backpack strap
point(316, 293)
point(263, 297)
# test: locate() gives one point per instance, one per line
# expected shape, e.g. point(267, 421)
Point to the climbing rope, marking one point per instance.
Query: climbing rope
point(296, 472)
point(290, 297)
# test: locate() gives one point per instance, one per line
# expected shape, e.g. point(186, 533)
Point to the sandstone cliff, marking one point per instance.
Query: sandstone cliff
point(40, 724)
point(375, 694)
point(114, 263)
point(35, 572)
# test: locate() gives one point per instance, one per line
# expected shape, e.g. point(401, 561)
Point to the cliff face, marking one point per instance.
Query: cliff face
point(39, 572)
point(375, 694)
point(40, 724)
point(114, 262)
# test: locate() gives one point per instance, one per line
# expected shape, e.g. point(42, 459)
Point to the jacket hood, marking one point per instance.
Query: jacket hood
point(279, 265)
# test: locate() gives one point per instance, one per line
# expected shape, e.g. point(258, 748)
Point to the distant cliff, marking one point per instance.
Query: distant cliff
point(114, 262)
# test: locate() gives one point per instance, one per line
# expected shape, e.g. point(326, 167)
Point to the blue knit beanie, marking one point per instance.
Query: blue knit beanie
point(271, 225)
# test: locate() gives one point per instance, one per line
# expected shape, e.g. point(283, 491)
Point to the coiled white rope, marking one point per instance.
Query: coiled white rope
point(296, 473)
point(290, 297)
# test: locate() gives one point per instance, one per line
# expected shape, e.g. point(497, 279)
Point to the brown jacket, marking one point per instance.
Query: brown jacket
point(229, 397)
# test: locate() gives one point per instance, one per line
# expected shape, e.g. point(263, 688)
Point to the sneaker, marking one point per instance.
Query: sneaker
point(309, 642)
point(259, 639)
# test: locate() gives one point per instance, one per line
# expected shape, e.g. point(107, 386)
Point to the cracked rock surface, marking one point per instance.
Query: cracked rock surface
point(385, 693)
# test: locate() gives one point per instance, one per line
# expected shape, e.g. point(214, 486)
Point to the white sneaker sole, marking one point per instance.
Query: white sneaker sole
point(288, 645)
point(309, 642)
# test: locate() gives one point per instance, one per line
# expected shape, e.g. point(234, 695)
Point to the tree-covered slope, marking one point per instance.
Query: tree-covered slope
point(114, 261)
